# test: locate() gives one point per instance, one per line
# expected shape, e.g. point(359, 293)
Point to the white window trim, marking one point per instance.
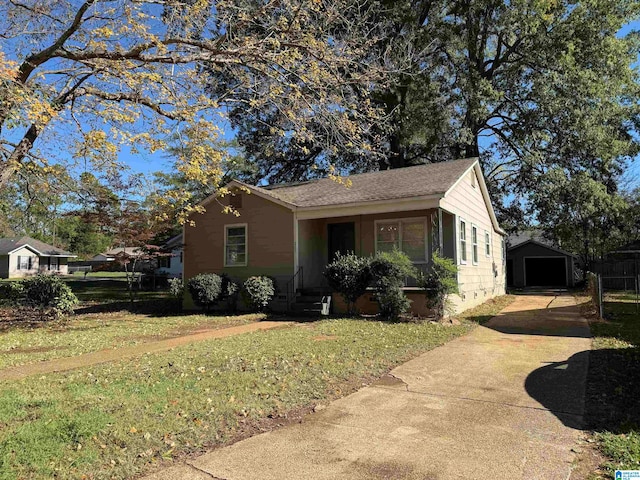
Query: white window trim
point(246, 245)
point(487, 235)
point(400, 221)
point(474, 259)
point(463, 251)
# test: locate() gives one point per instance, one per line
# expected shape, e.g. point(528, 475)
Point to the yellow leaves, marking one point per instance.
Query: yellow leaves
point(105, 32)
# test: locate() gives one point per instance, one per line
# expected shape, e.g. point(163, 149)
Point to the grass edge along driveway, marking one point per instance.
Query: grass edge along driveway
point(120, 419)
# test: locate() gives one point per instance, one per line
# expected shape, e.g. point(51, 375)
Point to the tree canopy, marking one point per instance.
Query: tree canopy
point(87, 77)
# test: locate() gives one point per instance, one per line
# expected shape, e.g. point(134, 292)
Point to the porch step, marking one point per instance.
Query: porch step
point(308, 303)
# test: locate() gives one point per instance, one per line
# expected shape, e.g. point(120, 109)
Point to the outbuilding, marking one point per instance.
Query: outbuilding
point(532, 262)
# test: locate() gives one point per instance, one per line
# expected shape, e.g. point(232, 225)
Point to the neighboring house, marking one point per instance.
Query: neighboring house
point(171, 264)
point(290, 232)
point(24, 256)
point(533, 261)
point(107, 260)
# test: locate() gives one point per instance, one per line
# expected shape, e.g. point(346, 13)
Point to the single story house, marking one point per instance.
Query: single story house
point(24, 256)
point(171, 264)
point(291, 232)
point(533, 261)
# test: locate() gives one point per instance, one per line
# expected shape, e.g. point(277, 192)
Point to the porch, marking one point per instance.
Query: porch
point(418, 233)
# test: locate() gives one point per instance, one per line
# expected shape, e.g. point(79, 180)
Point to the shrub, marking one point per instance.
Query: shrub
point(230, 292)
point(259, 291)
point(440, 282)
point(11, 292)
point(205, 290)
point(349, 275)
point(48, 294)
point(176, 290)
point(390, 270)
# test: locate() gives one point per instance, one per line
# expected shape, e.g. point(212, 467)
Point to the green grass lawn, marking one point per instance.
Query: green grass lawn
point(119, 419)
point(613, 390)
point(21, 345)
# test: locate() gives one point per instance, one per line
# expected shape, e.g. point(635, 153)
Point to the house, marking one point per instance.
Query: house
point(24, 256)
point(171, 264)
point(533, 261)
point(290, 232)
point(111, 254)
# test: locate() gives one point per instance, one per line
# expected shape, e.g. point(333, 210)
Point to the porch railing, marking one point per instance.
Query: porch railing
point(295, 282)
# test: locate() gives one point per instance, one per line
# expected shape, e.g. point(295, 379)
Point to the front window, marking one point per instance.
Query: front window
point(463, 241)
point(53, 263)
point(408, 236)
point(487, 244)
point(474, 243)
point(24, 263)
point(235, 254)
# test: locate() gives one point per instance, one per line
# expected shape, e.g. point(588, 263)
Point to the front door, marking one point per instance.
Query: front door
point(342, 238)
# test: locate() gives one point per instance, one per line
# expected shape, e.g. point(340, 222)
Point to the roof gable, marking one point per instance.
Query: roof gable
point(9, 245)
point(531, 241)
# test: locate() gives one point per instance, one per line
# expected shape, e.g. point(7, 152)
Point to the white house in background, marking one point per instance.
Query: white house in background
point(171, 265)
point(24, 256)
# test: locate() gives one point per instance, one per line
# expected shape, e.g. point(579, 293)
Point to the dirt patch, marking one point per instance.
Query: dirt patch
point(587, 462)
point(322, 338)
point(389, 381)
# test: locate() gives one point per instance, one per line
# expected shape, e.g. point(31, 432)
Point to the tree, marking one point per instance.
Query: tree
point(581, 214)
point(526, 86)
point(109, 73)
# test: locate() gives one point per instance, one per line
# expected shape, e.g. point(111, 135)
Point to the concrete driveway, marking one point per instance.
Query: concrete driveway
point(504, 402)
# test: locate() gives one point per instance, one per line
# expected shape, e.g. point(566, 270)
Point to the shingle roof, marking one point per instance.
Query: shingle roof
point(421, 180)
point(629, 247)
point(9, 244)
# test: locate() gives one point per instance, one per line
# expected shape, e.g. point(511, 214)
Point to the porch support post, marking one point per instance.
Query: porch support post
point(440, 236)
point(296, 246)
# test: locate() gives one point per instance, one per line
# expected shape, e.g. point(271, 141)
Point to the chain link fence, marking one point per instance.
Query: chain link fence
point(616, 280)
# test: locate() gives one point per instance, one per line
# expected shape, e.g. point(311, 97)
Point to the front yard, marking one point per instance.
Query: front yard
point(119, 419)
point(613, 389)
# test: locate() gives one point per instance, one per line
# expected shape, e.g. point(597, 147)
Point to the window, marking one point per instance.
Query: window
point(474, 181)
point(235, 246)
point(463, 241)
point(53, 264)
point(408, 236)
point(474, 244)
point(24, 263)
point(487, 244)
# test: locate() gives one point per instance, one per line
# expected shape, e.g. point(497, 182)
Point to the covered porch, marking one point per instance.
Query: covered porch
point(418, 233)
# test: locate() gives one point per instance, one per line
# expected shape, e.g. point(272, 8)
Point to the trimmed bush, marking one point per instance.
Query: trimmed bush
point(349, 275)
point(230, 292)
point(440, 282)
point(390, 270)
point(176, 290)
point(258, 292)
point(205, 290)
point(48, 294)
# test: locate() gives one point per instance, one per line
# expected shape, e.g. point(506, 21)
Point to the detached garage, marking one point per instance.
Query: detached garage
point(533, 264)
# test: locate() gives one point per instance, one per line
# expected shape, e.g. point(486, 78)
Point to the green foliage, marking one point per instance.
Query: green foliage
point(349, 275)
point(258, 292)
point(176, 290)
point(11, 292)
point(205, 290)
point(390, 269)
point(440, 282)
point(230, 292)
point(49, 294)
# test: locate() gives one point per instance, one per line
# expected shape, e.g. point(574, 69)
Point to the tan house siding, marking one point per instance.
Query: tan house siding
point(269, 241)
point(14, 272)
point(486, 279)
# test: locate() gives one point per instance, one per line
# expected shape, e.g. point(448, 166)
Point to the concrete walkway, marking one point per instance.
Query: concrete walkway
point(504, 402)
point(114, 354)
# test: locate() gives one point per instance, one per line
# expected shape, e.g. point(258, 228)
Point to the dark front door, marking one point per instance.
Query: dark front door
point(342, 238)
